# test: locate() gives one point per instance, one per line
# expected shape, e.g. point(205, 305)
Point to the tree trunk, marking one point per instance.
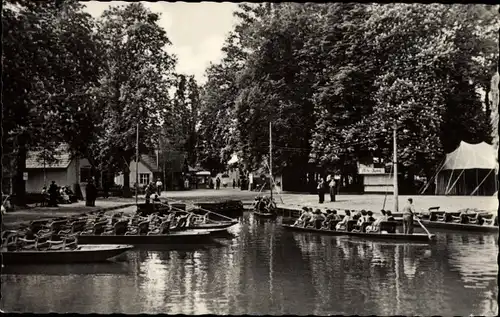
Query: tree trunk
point(19, 183)
point(126, 182)
point(487, 102)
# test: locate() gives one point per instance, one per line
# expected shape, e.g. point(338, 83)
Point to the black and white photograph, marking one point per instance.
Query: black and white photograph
point(250, 158)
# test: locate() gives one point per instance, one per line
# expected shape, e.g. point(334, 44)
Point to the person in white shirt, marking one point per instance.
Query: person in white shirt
point(159, 185)
point(332, 184)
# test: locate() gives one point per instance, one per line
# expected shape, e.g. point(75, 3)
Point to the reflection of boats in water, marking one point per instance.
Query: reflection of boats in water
point(468, 259)
point(68, 269)
point(367, 235)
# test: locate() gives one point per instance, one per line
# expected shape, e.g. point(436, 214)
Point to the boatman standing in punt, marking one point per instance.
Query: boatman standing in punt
point(408, 212)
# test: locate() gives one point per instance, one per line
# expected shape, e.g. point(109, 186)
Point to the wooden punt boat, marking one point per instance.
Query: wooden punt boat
point(147, 209)
point(267, 215)
point(99, 268)
point(82, 254)
point(208, 226)
point(459, 226)
point(229, 208)
point(451, 221)
point(368, 235)
point(181, 237)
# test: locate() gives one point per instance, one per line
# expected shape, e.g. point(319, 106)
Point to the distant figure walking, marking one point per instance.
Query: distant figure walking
point(333, 188)
point(321, 190)
point(217, 183)
point(159, 186)
point(234, 183)
point(149, 190)
point(53, 194)
point(408, 212)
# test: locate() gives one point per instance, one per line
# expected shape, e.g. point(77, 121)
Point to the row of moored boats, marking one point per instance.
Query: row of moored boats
point(385, 226)
point(94, 237)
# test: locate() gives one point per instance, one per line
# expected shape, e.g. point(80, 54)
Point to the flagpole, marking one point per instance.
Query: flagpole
point(137, 164)
point(395, 162)
point(271, 159)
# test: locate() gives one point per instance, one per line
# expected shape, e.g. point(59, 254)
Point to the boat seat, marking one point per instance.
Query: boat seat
point(98, 228)
point(8, 233)
point(9, 240)
point(119, 229)
point(34, 244)
point(489, 222)
point(447, 216)
point(77, 226)
point(435, 214)
point(36, 225)
point(389, 226)
point(436, 208)
point(142, 229)
point(115, 218)
point(486, 215)
point(476, 220)
point(62, 244)
point(163, 229)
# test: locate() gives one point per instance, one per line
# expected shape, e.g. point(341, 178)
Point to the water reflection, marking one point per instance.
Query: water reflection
point(265, 270)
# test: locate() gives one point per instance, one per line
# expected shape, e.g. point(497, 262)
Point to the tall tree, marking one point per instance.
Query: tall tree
point(44, 62)
point(134, 83)
point(494, 102)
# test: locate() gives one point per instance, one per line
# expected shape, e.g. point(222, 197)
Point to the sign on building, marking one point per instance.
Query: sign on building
point(371, 170)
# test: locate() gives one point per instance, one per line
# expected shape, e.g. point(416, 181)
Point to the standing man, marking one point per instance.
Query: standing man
point(90, 193)
point(159, 185)
point(234, 183)
point(53, 194)
point(321, 190)
point(332, 184)
point(408, 212)
point(217, 183)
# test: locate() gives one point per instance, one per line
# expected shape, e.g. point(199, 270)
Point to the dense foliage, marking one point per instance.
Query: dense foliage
point(69, 78)
point(336, 78)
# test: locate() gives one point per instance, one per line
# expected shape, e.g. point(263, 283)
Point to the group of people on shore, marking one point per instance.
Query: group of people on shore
point(333, 221)
point(329, 185)
point(58, 195)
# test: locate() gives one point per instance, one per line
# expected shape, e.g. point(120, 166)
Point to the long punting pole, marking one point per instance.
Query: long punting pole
point(137, 164)
point(271, 159)
point(395, 162)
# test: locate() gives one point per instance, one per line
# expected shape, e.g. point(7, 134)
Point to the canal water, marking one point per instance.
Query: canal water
point(266, 270)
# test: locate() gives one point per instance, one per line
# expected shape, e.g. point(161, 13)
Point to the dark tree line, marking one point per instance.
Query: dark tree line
point(69, 78)
point(335, 78)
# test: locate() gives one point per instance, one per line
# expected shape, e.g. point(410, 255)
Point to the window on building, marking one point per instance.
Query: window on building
point(85, 174)
point(144, 178)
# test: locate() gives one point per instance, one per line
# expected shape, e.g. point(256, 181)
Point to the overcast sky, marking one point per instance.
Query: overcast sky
point(196, 30)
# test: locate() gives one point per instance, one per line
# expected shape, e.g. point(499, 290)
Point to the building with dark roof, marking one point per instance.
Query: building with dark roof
point(65, 170)
point(148, 168)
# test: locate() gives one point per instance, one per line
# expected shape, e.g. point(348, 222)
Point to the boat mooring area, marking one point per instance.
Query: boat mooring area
point(261, 268)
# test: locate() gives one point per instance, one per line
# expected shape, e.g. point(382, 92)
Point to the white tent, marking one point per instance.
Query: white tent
point(472, 156)
point(469, 170)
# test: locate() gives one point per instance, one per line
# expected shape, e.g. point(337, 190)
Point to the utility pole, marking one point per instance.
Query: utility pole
point(271, 158)
point(137, 164)
point(395, 162)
